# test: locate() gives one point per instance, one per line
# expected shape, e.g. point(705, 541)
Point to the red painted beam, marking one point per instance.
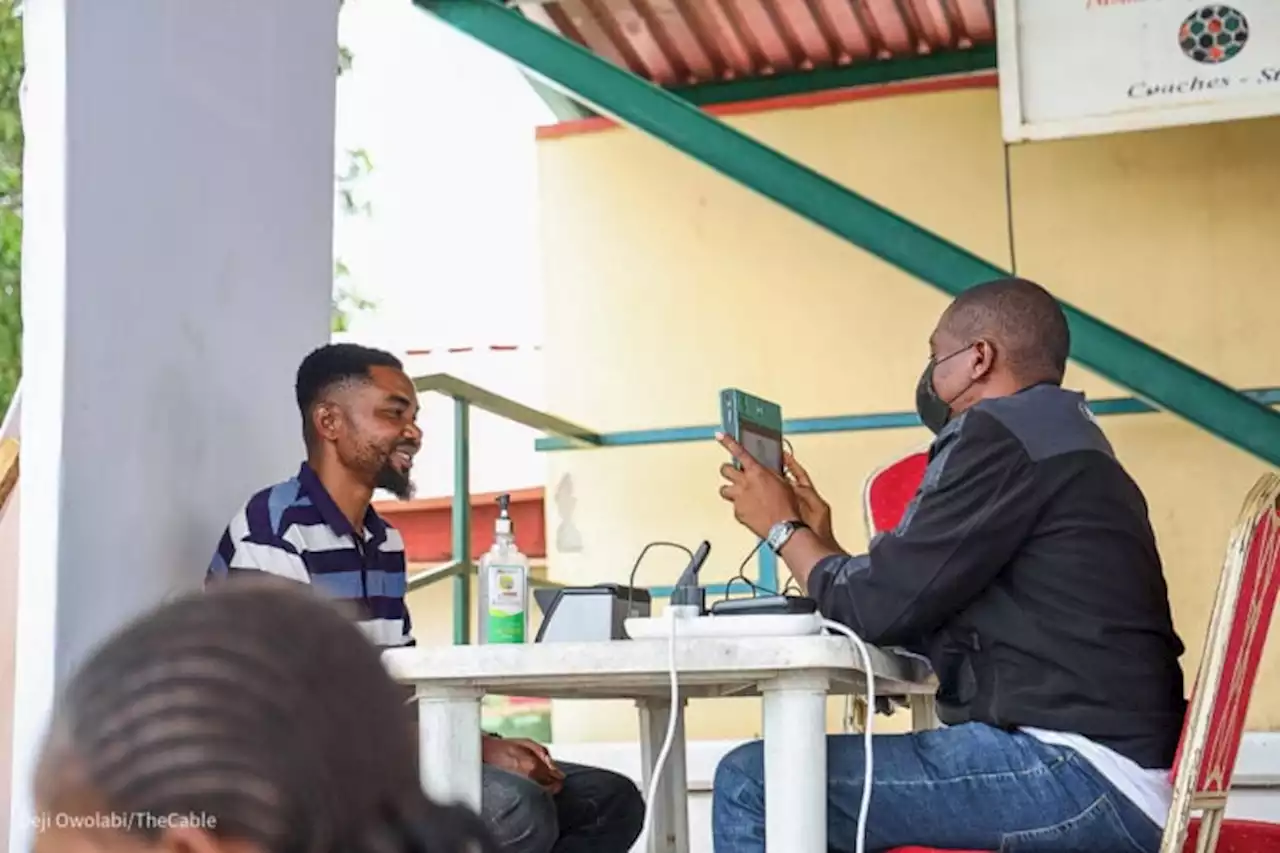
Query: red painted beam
point(425, 524)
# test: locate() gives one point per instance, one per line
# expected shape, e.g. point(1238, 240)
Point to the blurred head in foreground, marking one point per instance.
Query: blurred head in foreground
point(252, 719)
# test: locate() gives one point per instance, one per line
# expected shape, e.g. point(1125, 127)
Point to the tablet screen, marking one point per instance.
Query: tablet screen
point(765, 447)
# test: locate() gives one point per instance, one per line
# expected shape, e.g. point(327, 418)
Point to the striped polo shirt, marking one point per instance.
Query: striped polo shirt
point(294, 530)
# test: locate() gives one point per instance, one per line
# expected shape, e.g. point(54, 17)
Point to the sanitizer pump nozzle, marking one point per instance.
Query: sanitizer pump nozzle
point(504, 516)
point(504, 584)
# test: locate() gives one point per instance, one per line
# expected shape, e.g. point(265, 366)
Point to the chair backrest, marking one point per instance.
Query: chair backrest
point(889, 490)
point(1238, 625)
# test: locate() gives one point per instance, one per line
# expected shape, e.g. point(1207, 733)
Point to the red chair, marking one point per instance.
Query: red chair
point(889, 490)
point(1206, 757)
point(885, 496)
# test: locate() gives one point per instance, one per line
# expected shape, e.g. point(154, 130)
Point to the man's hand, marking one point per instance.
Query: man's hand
point(814, 511)
point(760, 497)
point(524, 758)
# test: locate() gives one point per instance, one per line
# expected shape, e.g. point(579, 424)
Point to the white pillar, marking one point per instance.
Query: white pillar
point(177, 266)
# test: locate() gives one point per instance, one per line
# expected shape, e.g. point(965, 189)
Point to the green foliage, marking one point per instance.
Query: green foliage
point(11, 68)
point(358, 165)
point(346, 301)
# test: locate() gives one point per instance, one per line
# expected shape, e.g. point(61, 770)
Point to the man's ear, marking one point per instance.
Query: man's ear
point(326, 420)
point(986, 360)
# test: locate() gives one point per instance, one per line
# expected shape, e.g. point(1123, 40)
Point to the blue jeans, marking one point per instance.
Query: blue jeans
point(969, 787)
point(597, 811)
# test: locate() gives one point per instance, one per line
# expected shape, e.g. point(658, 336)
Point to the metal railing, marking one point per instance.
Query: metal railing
point(465, 396)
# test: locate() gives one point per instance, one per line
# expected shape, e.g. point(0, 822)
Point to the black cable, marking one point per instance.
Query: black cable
point(791, 585)
point(756, 589)
point(631, 580)
point(791, 579)
point(1008, 203)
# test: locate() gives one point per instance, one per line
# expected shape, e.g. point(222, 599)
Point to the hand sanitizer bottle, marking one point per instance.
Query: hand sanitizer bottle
point(504, 585)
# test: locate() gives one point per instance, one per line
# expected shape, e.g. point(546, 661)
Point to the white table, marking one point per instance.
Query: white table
point(793, 674)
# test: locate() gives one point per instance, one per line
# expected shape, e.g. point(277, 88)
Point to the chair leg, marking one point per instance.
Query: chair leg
point(1175, 830)
point(924, 714)
point(858, 714)
point(1210, 826)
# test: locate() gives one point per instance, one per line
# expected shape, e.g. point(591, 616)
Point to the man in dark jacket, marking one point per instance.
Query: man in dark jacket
point(1026, 569)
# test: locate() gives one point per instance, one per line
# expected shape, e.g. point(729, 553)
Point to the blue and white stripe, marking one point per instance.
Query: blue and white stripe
point(294, 530)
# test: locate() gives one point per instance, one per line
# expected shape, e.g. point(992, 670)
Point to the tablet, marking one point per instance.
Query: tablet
point(754, 423)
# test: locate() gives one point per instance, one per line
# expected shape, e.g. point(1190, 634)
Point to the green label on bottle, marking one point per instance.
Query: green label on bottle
point(506, 604)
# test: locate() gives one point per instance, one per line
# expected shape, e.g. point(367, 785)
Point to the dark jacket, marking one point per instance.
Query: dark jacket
point(1026, 569)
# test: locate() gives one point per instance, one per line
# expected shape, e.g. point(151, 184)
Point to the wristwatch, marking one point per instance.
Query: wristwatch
point(781, 533)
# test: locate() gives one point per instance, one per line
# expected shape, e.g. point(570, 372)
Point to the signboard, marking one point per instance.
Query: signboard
point(1083, 67)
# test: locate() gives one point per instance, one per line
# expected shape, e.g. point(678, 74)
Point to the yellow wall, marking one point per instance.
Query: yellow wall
point(666, 282)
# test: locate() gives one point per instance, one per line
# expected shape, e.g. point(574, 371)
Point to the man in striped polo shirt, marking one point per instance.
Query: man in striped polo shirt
point(359, 422)
point(319, 527)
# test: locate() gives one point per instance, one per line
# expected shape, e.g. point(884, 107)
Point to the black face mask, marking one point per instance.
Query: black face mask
point(934, 411)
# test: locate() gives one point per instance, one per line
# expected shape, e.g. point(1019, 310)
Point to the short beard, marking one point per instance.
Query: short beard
point(394, 481)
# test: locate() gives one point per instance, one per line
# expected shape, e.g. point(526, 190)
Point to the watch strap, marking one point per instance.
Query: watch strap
point(780, 534)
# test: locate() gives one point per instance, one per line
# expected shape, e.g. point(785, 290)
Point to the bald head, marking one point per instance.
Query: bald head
point(1022, 320)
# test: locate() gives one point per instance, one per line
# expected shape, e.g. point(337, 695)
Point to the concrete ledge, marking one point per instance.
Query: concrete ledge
point(1259, 762)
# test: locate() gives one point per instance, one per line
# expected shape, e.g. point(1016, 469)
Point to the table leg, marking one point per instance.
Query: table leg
point(669, 832)
point(795, 764)
point(449, 745)
point(924, 712)
point(678, 775)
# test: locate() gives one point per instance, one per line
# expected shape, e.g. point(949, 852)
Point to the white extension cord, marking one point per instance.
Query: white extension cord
point(867, 743)
point(661, 761)
point(676, 614)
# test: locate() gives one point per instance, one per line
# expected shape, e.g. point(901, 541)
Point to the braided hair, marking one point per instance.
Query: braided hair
point(260, 708)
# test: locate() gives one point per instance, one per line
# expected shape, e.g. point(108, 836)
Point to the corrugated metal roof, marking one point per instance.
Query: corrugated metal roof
point(677, 43)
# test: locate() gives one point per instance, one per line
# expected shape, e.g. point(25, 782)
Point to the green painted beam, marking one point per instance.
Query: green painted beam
point(610, 90)
point(847, 423)
point(461, 522)
point(874, 73)
point(482, 398)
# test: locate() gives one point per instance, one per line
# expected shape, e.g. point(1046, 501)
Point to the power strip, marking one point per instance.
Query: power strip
point(753, 625)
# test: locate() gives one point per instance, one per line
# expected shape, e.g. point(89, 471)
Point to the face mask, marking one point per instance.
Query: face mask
point(934, 411)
